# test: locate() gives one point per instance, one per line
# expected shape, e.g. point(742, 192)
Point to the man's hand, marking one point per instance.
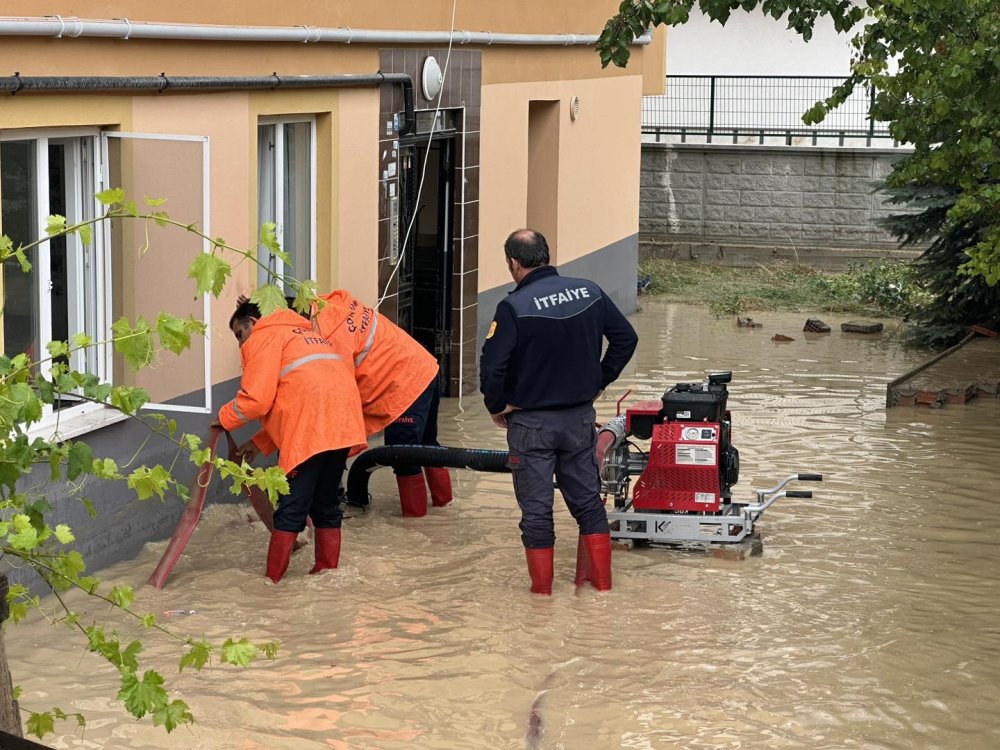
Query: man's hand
point(248, 451)
point(500, 420)
point(216, 425)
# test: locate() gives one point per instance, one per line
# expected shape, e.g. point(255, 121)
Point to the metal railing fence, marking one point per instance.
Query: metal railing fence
point(741, 107)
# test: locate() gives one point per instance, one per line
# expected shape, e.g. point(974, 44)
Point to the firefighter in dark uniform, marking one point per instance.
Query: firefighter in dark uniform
point(541, 370)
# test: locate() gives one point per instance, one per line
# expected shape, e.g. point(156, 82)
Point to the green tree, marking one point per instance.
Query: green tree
point(933, 65)
point(957, 300)
point(30, 533)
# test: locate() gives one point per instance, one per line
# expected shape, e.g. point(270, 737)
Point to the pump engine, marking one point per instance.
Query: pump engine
point(683, 491)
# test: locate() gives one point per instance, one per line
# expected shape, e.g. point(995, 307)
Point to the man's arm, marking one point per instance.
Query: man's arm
point(622, 340)
point(497, 349)
point(259, 384)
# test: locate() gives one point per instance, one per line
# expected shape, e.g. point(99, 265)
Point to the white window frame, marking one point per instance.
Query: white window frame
point(96, 285)
point(206, 248)
point(275, 264)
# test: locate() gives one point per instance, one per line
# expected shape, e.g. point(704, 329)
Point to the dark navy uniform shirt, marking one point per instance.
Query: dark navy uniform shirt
point(543, 348)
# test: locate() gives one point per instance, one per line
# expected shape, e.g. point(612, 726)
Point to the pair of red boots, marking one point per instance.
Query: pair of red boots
point(325, 541)
point(413, 491)
point(593, 563)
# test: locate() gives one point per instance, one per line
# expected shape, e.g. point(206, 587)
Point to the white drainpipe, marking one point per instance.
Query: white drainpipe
point(59, 27)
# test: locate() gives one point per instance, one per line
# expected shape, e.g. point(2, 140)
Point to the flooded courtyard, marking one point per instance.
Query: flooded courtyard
point(870, 620)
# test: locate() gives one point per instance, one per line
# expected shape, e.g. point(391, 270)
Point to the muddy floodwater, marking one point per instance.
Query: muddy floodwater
point(870, 621)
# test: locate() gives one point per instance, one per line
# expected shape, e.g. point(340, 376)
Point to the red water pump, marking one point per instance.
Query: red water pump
point(683, 493)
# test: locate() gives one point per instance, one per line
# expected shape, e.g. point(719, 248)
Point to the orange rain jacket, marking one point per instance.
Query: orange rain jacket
point(302, 391)
point(392, 369)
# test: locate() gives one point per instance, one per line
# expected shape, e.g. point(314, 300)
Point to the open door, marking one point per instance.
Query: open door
point(425, 271)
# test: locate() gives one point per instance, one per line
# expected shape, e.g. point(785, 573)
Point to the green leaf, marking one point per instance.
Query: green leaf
point(57, 349)
point(148, 482)
point(197, 656)
point(55, 224)
point(142, 697)
point(210, 273)
point(24, 536)
point(268, 298)
point(172, 332)
point(135, 344)
point(82, 340)
point(238, 653)
point(128, 399)
point(64, 534)
point(45, 390)
point(269, 239)
point(40, 725)
point(111, 196)
point(153, 202)
point(122, 596)
point(22, 260)
point(172, 715)
point(80, 460)
point(105, 468)
point(86, 234)
point(148, 620)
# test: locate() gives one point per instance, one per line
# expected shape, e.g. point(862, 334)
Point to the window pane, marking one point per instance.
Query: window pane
point(18, 181)
point(298, 200)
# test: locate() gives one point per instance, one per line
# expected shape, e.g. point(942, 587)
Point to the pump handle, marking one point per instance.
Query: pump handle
point(798, 493)
point(811, 477)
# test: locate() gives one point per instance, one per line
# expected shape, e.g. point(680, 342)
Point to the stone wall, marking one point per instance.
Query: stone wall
point(743, 204)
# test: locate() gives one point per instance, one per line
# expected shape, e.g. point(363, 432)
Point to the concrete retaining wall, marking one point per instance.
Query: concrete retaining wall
point(742, 205)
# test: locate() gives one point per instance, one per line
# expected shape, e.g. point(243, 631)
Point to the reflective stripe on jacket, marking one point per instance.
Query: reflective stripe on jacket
point(299, 387)
point(392, 369)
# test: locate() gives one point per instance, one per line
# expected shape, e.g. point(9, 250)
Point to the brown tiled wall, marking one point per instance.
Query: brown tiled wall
point(461, 92)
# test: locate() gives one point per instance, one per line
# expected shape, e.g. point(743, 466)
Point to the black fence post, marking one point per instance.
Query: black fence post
point(711, 108)
point(871, 117)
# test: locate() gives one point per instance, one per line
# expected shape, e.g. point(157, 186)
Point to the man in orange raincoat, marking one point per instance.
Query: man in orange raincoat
point(304, 394)
point(397, 379)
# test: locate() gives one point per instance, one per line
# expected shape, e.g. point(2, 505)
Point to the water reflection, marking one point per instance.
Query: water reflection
point(869, 622)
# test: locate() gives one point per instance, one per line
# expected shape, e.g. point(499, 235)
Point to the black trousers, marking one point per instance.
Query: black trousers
point(555, 444)
point(418, 425)
point(312, 492)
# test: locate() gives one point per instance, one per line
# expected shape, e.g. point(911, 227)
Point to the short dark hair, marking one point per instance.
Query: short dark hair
point(245, 311)
point(527, 247)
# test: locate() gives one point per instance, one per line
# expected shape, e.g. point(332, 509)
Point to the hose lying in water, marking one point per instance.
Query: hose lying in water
point(418, 455)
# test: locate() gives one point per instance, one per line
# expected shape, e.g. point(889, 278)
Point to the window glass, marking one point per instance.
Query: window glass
point(18, 194)
point(285, 197)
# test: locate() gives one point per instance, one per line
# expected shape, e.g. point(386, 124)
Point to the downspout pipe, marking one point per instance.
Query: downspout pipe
point(59, 27)
point(16, 84)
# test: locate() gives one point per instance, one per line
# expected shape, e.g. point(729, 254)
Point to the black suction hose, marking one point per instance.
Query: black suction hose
point(418, 455)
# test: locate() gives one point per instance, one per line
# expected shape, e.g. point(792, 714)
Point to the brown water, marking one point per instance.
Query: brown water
point(870, 621)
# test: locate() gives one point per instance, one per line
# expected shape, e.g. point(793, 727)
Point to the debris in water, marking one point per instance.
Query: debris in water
point(180, 612)
point(815, 325)
point(861, 326)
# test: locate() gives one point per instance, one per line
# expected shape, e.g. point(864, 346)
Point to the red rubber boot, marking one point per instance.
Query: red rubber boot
point(598, 551)
point(279, 551)
point(412, 495)
point(540, 569)
point(327, 544)
point(439, 480)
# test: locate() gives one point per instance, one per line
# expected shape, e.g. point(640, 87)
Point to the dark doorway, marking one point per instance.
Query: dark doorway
point(425, 269)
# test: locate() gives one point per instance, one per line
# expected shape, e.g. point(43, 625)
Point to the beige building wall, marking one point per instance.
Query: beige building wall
point(598, 179)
